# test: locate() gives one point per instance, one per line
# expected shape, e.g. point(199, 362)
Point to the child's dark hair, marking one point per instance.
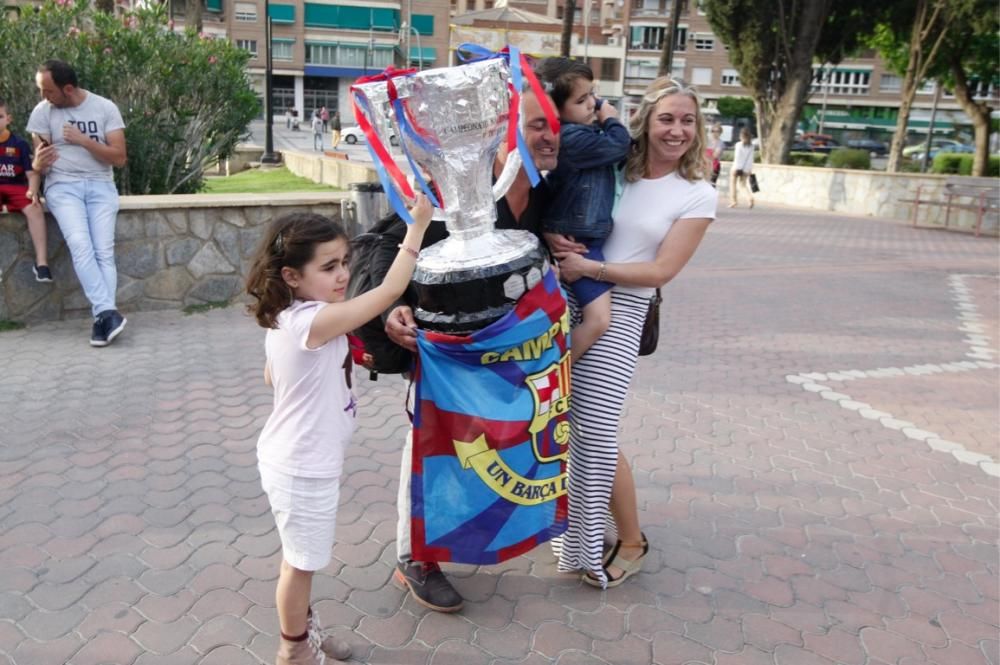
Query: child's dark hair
point(561, 74)
point(290, 241)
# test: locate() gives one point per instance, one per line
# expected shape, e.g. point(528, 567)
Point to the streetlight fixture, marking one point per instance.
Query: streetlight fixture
point(420, 51)
point(269, 156)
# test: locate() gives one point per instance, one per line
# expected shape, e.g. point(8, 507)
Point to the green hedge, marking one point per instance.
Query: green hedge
point(850, 158)
point(956, 163)
point(186, 98)
point(807, 159)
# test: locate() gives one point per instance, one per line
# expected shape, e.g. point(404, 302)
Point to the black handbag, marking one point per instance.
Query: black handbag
point(754, 187)
point(651, 326)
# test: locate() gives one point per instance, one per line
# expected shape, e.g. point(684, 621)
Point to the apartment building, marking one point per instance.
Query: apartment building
point(855, 98)
point(319, 47)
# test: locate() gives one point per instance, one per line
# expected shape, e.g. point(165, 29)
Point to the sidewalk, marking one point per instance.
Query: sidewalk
point(814, 443)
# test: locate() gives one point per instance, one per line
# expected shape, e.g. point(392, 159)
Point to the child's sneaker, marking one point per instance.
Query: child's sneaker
point(302, 652)
point(331, 646)
point(42, 273)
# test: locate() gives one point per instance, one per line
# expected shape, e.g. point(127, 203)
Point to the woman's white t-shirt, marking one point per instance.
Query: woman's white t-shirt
point(314, 408)
point(646, 211)
point(743, 158)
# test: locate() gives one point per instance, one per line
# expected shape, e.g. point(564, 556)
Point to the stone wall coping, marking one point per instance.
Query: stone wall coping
point(867, 172)
point(173, 201)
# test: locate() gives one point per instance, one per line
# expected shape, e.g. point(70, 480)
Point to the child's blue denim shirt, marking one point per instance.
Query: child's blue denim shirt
point(584, 181)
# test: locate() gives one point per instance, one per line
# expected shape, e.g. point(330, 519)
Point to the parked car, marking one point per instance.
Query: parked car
point(961, 147)
point(936, 144)
point(820, 142)
point(874, 148)
point(353, 135)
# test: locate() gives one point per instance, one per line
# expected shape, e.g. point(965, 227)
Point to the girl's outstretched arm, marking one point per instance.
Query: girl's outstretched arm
point(340, 318)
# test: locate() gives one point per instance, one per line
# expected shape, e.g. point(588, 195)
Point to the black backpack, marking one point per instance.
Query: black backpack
point(372, 253)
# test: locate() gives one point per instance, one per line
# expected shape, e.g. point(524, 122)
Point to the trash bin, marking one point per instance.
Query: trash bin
point(367, 205)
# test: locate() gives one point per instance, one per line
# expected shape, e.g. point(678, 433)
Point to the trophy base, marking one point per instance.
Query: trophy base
point(459, 299)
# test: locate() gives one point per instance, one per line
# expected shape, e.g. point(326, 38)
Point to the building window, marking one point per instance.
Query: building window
point(349, 55)
point(729, 77)
point(609, 69)
point(701, 76)
point(245, 12)
point(281, 49)
point(249, 45)
point(704, 42)
point(680, 39)
point(890, 83)
point(647, 37)
point(641, 69)
point(842, 81)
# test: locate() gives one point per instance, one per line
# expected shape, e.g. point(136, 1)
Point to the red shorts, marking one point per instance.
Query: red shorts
point(15, 197)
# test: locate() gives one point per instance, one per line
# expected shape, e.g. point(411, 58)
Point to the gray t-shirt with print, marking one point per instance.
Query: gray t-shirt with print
point(95, 117)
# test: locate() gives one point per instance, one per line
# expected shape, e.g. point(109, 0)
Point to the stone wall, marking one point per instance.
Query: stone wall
point(870, 193)
point(171, 251)
point(336, 172)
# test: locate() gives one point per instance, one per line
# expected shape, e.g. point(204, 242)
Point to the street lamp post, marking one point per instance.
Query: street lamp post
point(269, 157)
point(420, 51)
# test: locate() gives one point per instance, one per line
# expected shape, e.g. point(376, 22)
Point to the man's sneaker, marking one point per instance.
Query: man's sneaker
point(42, 273)
point(114, 324)
point(99, 334)
point(428, 586)
point(108, 325)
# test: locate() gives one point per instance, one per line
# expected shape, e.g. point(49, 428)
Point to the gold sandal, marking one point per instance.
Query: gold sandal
point(627, 566)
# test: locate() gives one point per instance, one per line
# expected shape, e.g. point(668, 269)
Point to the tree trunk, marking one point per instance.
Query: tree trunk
point(668, 48)
point(192, 14)
point(978, 112)
point(931, 15)
point(569, 13)
point(786, 107)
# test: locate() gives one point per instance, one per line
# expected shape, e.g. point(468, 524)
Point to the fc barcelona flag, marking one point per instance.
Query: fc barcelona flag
point(491, 434)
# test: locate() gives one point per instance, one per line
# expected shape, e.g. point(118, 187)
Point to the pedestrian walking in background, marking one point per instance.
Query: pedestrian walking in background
point(739, 177)
point(716, 146)
point(335, 129)
point(325, 117)
point(317, 127)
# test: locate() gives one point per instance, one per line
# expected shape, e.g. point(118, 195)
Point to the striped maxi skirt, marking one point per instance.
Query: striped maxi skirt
point(600, 382)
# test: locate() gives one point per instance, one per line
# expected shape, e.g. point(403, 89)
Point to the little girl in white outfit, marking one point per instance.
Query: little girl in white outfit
point(299, 280)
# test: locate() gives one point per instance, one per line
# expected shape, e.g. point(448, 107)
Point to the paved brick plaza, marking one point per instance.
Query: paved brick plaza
point(815, 446)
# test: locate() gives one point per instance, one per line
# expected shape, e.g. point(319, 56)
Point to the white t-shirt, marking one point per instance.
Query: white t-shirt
point(314, 409)
point(645, 213)
point(743, 157)
point(95, 117)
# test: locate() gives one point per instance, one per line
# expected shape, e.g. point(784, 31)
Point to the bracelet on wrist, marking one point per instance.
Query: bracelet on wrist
point(602, 273)
point(409, 250)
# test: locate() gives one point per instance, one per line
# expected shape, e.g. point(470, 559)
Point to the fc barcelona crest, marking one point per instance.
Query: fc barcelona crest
point(549, 427)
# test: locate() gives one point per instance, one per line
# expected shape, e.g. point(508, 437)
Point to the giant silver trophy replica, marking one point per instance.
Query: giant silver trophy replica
point(456, 118)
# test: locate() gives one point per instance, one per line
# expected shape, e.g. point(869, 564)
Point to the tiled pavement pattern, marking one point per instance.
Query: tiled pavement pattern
point(785, 529)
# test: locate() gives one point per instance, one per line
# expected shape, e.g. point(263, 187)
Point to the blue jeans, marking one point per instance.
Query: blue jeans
point(86, 211)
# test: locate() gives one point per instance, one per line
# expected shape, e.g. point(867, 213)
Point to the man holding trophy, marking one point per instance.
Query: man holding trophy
point(490, 323)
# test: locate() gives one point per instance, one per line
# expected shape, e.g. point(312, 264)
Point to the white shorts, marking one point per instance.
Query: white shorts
point(305, 511)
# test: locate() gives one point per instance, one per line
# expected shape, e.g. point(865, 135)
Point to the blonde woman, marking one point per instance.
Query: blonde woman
point(665, 208)
point(739, 177)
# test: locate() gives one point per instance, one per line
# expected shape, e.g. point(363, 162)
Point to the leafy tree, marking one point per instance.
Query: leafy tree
point(773, 46)
point(909, 38)
point(951, 41)
point(735, 107)
point(185, 99)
